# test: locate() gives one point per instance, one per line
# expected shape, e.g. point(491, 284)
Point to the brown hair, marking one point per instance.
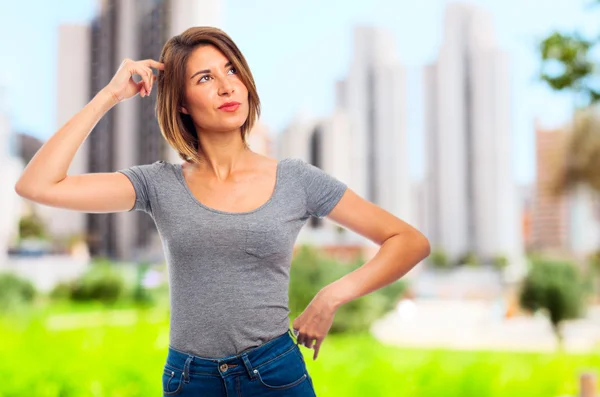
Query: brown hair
point(176, 127)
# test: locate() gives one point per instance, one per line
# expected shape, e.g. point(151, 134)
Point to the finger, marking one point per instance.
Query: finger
point(147, 76)
point(148, 79)
point(309, 342)
point(153, 64)
point(144, 73)
point(317, 347)
point(141, 89)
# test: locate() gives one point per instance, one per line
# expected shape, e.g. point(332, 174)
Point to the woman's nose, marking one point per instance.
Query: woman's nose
point(225, 87)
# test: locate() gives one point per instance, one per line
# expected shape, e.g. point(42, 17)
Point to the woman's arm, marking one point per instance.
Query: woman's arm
point(401, 248)
point(45, 178)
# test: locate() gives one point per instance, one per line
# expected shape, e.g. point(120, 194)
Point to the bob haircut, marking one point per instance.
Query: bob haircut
point(176, 127)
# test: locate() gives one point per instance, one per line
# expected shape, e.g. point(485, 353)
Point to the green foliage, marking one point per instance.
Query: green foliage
point(555, 287)
point(142, 295)
point(311, 271)
point(594, 262)
point(500, 261)
point(32, 226)
point(439, 259)
point(567, 65)
point(90, 360)
point(102, 283)
point(107, 283)
point(468, 259)
point(15, 292)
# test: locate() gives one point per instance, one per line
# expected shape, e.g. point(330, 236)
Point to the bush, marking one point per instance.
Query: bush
point(468, 259)
point(100, 283)
point(15, 291)
point(439, 259)
point(61, 291)
point(312, 271)
point(555, 287)
point(500, 262)
point(32, 226)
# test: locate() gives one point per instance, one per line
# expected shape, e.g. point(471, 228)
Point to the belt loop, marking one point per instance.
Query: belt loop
point(251, 371)
point(294, 338)
point(186, 369)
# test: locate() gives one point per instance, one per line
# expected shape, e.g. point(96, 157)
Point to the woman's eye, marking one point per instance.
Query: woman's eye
point(233, 69)
point(203, 78)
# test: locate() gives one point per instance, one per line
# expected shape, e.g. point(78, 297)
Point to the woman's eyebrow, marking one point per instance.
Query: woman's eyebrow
point(207, 70)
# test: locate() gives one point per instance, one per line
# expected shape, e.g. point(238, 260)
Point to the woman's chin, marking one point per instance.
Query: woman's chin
point(228, 127)
point(231, 125)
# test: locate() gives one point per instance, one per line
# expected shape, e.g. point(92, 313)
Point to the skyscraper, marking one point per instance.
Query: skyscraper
point(373, 98)
point(472, 198)
point(363, 142)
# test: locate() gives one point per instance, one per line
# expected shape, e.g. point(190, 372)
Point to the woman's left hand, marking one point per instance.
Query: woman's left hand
point(314, 322)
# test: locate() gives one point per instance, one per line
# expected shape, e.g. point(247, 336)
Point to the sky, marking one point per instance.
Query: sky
point(297, 50)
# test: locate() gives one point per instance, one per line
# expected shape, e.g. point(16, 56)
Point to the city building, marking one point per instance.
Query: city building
point(563, 223)
point(472, 196)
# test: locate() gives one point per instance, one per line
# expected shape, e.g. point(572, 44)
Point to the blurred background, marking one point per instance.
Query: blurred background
point(476, 122)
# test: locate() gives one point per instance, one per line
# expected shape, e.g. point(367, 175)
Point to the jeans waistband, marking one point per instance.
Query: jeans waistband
point(245, 361)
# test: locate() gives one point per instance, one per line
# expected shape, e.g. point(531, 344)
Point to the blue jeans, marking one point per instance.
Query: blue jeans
point(275, 368)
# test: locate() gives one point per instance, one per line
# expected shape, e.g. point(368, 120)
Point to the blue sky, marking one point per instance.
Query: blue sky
point(298, 49)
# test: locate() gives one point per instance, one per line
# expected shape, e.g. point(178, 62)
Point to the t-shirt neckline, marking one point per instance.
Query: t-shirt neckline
point(198, 202)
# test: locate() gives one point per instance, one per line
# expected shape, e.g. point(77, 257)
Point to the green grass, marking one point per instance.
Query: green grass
point(121, 353)
point(361, 366)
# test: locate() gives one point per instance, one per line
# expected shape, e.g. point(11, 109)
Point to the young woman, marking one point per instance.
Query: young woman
point(228, 219)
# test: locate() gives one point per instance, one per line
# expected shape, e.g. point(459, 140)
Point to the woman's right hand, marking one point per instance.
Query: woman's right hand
point(122, 86)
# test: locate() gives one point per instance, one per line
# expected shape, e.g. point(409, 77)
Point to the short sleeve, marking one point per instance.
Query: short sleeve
point(141, 177)
point(323, 191)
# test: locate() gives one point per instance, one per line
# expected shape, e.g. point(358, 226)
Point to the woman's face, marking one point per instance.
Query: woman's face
point(211, 83)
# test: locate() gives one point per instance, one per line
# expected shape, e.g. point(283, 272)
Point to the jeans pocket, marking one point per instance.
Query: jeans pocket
point(283, 372)
point(172, 381)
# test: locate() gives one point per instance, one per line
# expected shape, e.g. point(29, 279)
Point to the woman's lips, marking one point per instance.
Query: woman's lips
point(230, 107)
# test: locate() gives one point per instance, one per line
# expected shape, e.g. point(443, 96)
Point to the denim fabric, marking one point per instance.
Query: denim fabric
point(275, 368)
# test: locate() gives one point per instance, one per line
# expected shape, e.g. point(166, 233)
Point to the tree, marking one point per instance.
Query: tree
point(569, 64)
point(556, 288)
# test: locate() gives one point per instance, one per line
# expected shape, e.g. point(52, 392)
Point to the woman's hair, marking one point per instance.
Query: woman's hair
point(176, 127)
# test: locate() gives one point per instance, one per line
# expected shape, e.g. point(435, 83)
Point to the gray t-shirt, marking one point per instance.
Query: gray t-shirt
point(229, 271)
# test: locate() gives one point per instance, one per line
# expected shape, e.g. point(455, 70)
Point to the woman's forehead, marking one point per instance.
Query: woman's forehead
point(206, 57)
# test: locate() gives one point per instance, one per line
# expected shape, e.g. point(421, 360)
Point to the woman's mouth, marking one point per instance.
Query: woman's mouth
point(229, 106)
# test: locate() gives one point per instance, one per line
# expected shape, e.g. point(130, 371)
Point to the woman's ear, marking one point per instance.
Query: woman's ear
point(183, 110)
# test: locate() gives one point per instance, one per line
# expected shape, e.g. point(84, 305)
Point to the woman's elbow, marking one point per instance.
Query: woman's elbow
point(21, 189)
point(424, 245)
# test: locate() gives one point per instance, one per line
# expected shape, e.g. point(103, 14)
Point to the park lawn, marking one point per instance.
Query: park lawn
point(121, 353)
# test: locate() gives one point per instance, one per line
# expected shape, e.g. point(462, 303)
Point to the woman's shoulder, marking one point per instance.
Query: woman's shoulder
point(156, 170)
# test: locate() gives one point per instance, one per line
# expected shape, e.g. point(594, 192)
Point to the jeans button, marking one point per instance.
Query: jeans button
point(223, 367)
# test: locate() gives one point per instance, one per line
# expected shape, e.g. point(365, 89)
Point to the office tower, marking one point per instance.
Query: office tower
point(373, 98)
point(471, 198)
